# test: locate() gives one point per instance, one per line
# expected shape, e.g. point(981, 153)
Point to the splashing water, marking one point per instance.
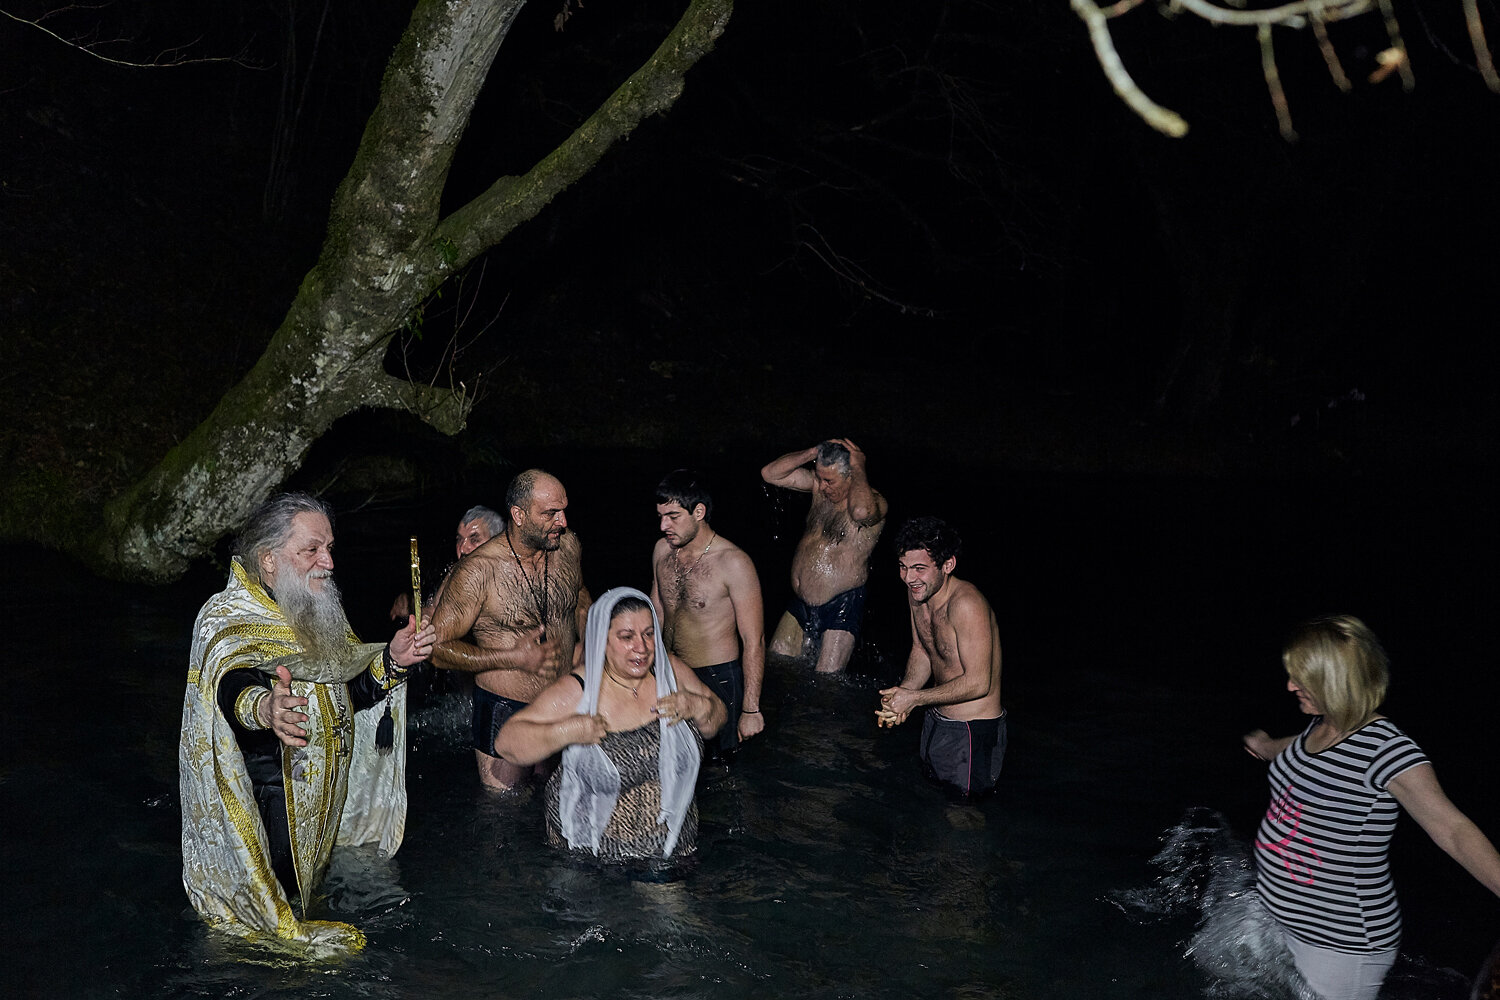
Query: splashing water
point(776, 499)
point(1207, 875)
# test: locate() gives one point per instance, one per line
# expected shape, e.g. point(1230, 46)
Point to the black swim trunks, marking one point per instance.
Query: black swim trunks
point(727, 680)
point(490, 713)
point(842, 613)
point(964, 756)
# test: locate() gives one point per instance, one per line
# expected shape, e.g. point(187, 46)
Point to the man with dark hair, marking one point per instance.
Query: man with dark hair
point(522, 595)
point(707, 595)
point(956, 645)
point(285, 749)
point(832, 561)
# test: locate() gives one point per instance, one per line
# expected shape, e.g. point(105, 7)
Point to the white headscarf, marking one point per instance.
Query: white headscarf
point(590, 783)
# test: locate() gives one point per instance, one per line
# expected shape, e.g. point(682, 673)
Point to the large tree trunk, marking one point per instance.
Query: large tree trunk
point(386, 251)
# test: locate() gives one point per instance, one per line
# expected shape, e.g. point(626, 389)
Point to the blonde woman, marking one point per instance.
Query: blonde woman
point(1321, 851)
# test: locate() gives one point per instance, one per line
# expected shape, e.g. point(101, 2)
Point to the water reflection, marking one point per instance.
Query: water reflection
point(827, 866)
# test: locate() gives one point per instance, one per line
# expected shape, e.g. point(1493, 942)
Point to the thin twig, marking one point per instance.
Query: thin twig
point(1165, 121)
point(1481, 47)
point(1393, 31)
point(1273, 83)
point(852, 273)
point(1121, 7)
point(1331, 57)
point(1292, 15)
point(89, 50)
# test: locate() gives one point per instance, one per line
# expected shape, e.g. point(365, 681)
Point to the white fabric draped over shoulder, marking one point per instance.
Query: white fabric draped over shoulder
point(590, 784)
point(226, 858)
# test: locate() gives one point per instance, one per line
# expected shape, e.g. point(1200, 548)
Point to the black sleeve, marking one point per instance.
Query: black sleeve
point(260, 747)
point(365, 691)
point(230, 687)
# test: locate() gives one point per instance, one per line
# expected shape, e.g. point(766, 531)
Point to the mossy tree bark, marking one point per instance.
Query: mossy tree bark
point(387, 249)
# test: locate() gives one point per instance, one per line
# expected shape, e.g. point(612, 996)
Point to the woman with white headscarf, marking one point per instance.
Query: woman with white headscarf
point(631, 733)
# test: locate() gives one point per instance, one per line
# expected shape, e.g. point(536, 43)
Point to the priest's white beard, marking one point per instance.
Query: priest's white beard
point(316, 616)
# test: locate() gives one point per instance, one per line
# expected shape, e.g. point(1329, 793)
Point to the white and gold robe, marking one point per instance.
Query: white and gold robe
point(340, 788)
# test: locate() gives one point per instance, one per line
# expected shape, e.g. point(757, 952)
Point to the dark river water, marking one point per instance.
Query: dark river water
point(1141, 622)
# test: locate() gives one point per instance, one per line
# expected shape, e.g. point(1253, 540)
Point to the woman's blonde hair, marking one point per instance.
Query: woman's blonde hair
point(1341, 665)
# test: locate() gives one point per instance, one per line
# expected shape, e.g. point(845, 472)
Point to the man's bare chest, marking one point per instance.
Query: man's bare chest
point(519, 599)
point(939, 641)
point(689, 588)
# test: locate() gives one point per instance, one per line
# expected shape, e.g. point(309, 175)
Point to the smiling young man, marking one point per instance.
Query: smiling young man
point(956, 646)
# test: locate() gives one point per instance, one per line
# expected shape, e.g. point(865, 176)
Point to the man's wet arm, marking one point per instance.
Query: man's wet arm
point(462, 598)
point(466, 657)
point(581, 613)
point(975, 652)
point(866, 505)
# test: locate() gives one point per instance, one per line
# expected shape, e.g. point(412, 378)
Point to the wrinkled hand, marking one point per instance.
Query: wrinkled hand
point(679, 705)
point(281, 711)
point(410, 646)
point(750, 724)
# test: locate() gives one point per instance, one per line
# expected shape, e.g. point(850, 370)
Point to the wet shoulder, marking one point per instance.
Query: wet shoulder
point(731, 560)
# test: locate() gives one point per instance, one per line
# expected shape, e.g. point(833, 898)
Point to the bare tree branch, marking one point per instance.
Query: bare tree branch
point(1481, 47)
point(166, 59)
point(1297, 15)
point(1400, 58)
point(1330, 56)
point(1163, 120)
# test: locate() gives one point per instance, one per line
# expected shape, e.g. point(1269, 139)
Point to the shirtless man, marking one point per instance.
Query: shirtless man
point(477, 525)
point(522, 595)
point(832, 560)
point(708, 598)
point(956, 643)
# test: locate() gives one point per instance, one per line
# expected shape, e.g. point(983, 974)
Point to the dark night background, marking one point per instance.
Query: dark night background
point(913, 223)
point(928, 226)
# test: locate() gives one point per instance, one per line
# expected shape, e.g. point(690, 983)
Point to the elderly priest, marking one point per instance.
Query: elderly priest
point(293, 734)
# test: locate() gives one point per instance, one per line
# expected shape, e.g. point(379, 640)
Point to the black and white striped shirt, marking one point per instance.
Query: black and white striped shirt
point(1320, 853)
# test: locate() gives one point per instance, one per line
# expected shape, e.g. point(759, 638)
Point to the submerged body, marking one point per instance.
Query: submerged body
point(707, 595)
point(634, 832)
point(619, 790)
point(953, 669)
point(520, 597)
point(832, 560)
point(279, 756)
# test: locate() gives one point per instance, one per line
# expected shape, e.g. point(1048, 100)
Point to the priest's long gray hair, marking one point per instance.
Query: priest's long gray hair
point(271, 523)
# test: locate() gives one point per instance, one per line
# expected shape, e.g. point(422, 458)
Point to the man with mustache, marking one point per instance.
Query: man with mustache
point(955, 644)
point(521, 594)
point(280, 755)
